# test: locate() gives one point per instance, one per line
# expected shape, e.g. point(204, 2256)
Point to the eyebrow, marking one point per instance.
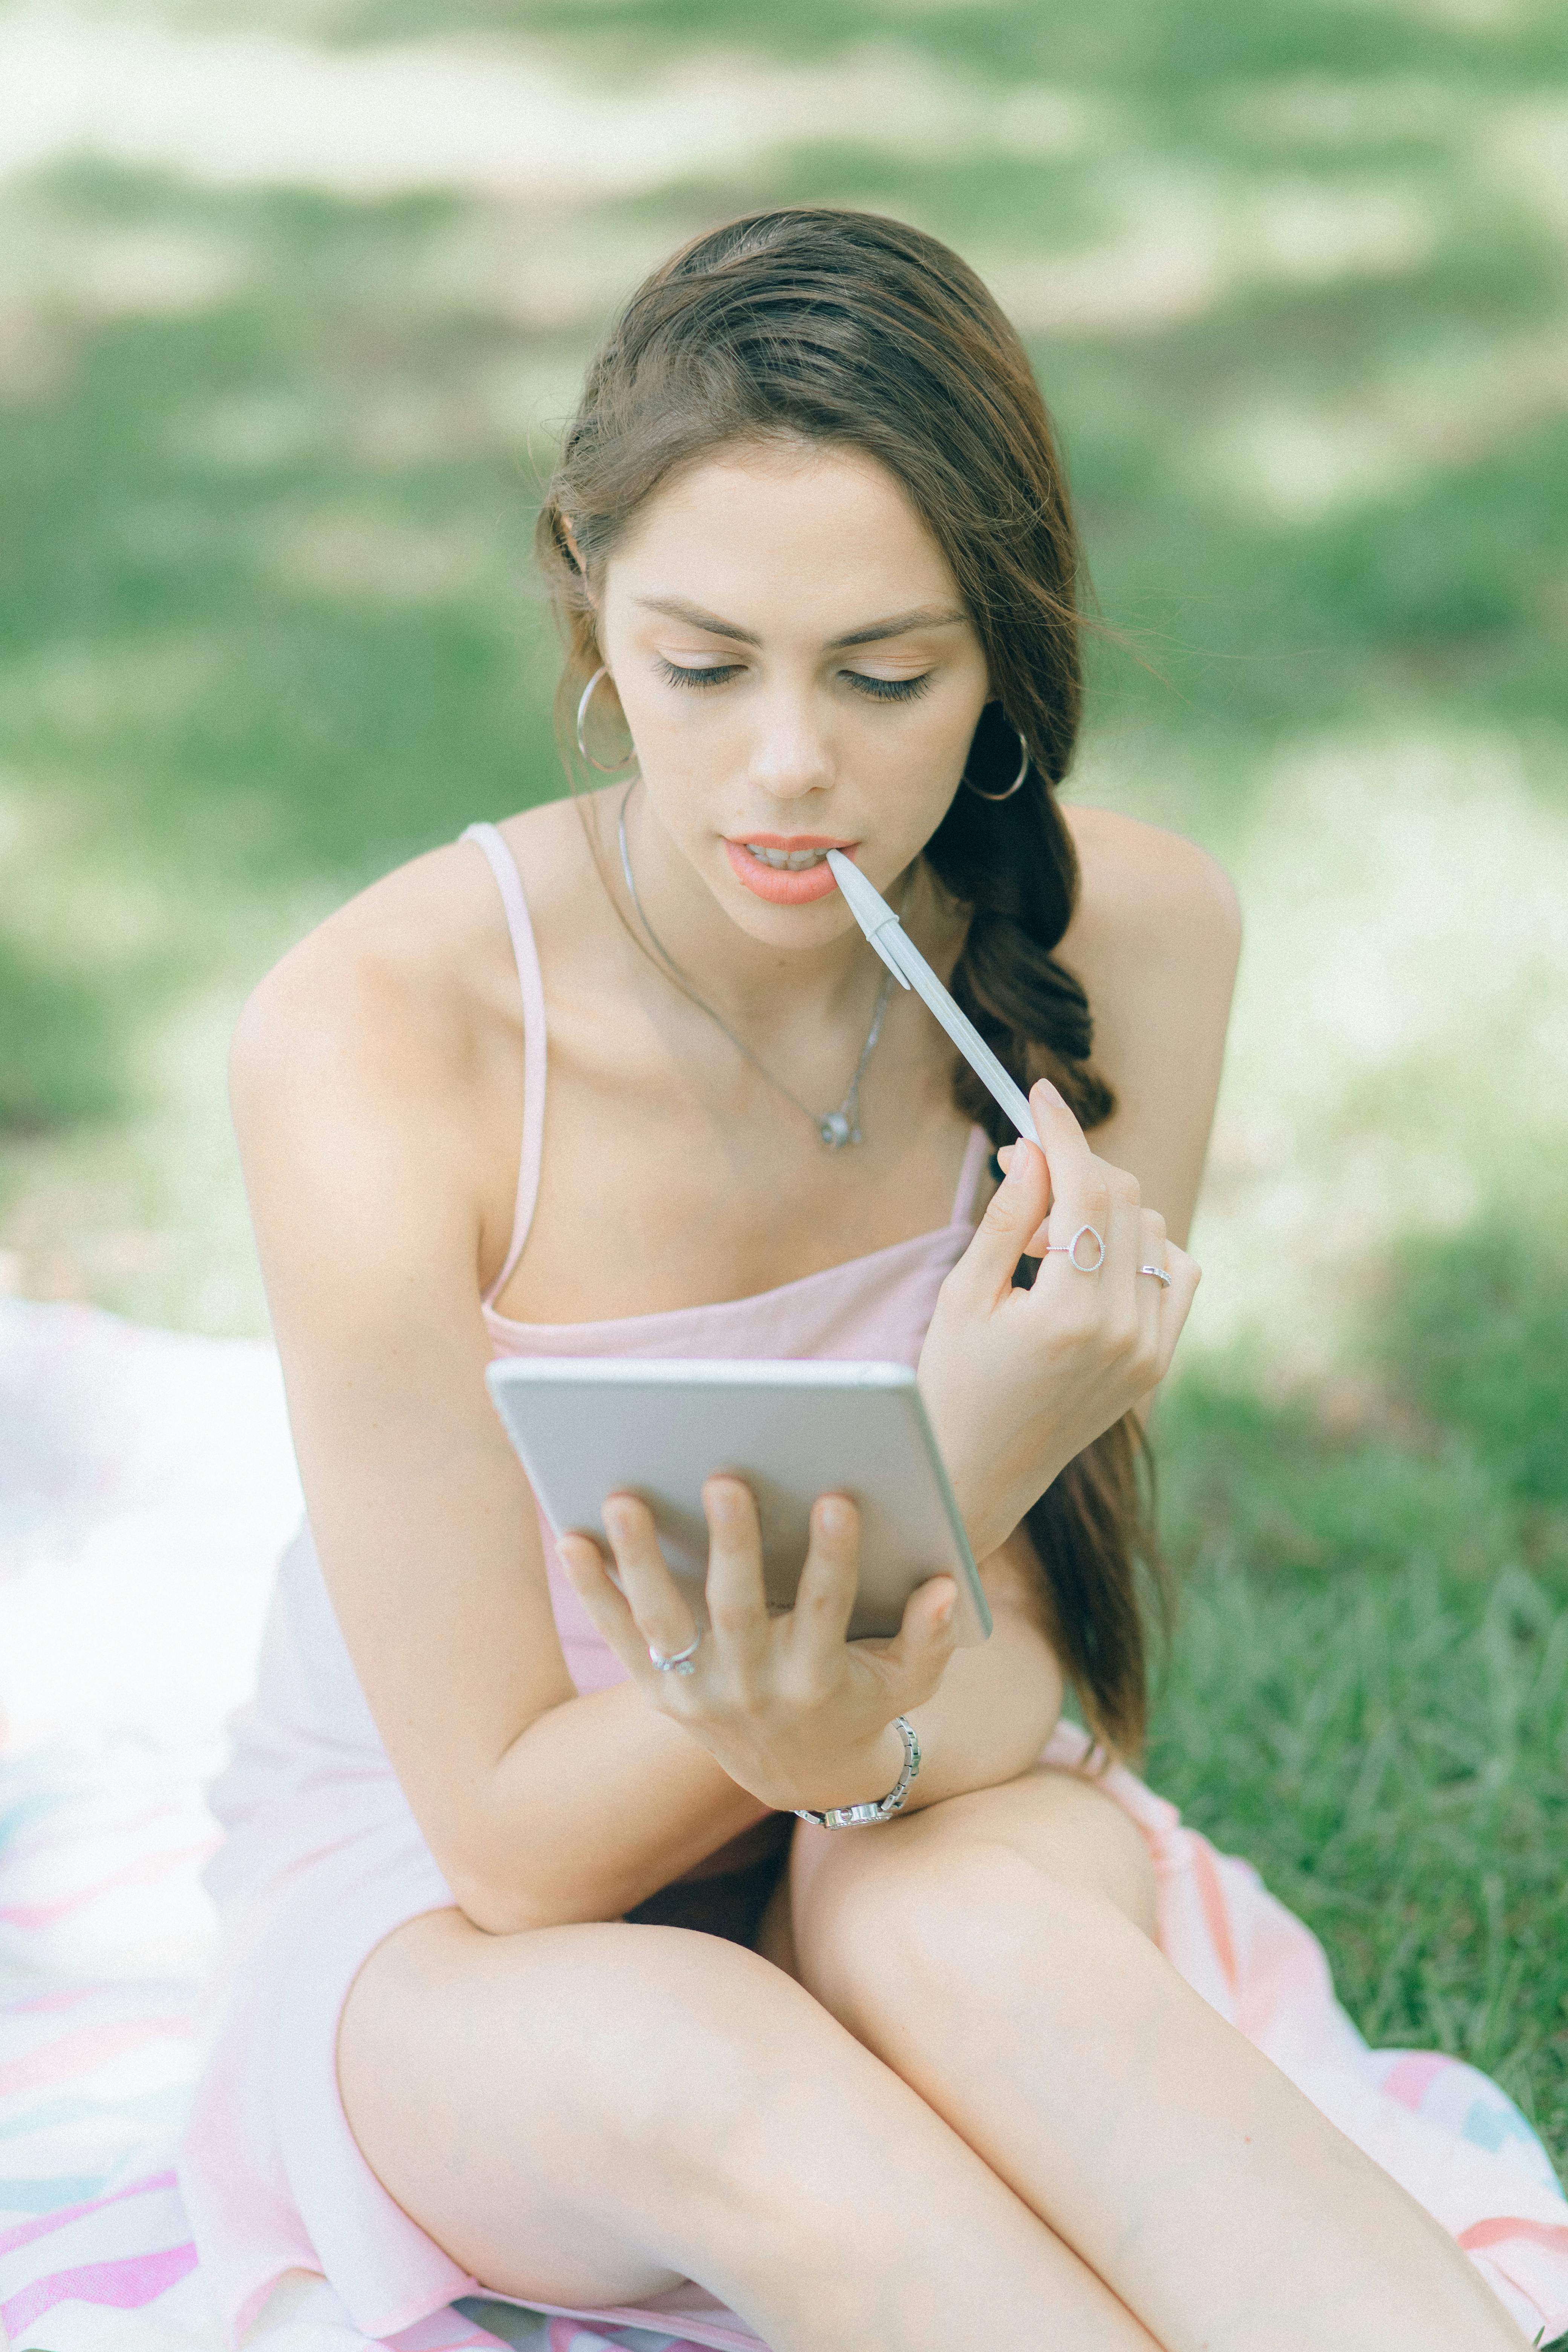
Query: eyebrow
point(895, 624)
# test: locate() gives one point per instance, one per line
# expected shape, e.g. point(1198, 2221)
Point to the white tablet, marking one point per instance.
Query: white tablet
point(590, 1426)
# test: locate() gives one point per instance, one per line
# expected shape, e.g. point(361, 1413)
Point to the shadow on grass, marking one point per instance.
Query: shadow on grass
point(258, 648)
point(265, 583)
point(1368, 1695)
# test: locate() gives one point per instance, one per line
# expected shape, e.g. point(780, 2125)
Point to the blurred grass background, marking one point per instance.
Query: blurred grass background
point(292, 294)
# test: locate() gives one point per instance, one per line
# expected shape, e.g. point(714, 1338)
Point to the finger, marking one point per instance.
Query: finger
point(1176, 1304)
point(984, 1272)
point(1080, 1180)
point(1123, 1236)
point(919, 1653)
point(1148, 1294)
point(661, 1612)
point(825, 1597)
point(737, 1596)
point(588, 1572)
point(1035, 1244)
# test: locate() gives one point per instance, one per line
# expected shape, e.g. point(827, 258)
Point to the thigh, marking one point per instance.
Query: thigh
point(585, 2115)
point(1059, 1821)
point(549, 2107)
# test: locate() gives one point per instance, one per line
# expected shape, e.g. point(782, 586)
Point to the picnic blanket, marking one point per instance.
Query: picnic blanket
point(146, 1487)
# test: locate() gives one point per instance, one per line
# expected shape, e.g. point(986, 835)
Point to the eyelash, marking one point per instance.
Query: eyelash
point(699, 679)
point(876, 690)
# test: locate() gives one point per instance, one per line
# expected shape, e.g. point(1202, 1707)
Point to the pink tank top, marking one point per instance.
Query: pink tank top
point(875, 1308)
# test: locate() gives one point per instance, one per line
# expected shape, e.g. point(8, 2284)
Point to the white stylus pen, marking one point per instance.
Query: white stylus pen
point(909, 968)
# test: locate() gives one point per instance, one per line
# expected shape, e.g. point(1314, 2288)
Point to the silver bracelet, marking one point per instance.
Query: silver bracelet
point(854, 1817)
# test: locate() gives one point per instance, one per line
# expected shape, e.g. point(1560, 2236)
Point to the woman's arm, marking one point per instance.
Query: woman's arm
point(356, 1073)
point(1154, 939)
point(1018, 1383)
point(997, 1704)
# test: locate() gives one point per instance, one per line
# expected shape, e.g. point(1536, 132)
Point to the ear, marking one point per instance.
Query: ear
point(564, 524)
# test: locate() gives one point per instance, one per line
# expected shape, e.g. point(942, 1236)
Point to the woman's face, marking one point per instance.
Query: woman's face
point(799, 674)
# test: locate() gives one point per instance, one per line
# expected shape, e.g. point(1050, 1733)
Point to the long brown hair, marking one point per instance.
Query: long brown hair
point(842, 327)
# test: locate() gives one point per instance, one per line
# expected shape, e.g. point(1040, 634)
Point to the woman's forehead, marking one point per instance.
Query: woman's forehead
point(812, 533)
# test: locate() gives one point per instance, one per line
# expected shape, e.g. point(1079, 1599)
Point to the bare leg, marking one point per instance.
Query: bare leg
point(980, 1949)
point(589, 2115)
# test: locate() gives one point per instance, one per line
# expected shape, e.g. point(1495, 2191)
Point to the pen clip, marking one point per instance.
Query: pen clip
point(873, 914)
point(890, 951)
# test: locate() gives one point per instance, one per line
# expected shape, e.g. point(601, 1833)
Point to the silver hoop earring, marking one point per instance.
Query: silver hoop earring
point(1023, 771)
point(615, 766)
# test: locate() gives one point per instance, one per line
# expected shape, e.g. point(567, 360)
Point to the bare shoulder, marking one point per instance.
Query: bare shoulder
point(402, 991)
point(1148, 891)
point(384, 995)
point(376, 1075)
point(1154, 939)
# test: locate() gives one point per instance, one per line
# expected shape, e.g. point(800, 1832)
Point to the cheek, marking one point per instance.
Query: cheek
point(923, 757)
point(689, 755)
point(691, 724)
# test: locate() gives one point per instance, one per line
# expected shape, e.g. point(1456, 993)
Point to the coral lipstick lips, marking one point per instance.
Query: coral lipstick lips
point(784, 885)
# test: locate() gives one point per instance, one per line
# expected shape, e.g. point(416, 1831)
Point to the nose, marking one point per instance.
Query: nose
point(792, 756)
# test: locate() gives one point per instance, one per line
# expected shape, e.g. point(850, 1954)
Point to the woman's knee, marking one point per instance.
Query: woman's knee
point(939, 1930)
point(705, 2038)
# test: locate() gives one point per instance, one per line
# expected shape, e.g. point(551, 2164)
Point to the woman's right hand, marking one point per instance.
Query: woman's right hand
point(789, 1707)
point(1016, 1381)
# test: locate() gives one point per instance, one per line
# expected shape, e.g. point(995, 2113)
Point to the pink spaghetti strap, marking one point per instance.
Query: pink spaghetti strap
point(976, 1153)
point(503, 866)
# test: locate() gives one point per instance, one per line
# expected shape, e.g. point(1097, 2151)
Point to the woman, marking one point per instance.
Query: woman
point(533, 1978)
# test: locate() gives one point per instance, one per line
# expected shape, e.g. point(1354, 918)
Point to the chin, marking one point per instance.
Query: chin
point(809, 926)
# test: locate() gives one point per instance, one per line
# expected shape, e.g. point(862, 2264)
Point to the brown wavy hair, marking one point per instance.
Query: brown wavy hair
point(844, 328)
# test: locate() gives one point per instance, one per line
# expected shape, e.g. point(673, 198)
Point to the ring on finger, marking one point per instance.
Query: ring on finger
point(1070, 1250)
point(679, 1661)
point(1159, 1273)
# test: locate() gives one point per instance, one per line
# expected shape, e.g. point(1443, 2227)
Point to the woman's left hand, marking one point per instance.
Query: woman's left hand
point(1018, 1381)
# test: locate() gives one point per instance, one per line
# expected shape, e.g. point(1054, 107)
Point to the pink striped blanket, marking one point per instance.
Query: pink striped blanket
point(145, 1487)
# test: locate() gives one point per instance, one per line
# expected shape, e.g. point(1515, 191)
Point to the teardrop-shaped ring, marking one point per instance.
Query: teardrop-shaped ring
point(1159, 1273)
point(1070, 1250)
point(679, 1661)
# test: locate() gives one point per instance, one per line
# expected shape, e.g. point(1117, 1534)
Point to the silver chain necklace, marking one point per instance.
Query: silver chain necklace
point(836, 1127)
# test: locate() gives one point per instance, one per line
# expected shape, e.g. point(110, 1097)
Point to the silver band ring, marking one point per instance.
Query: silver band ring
point(1159, 1273)
point(680, 1663)
point(1070, 1250)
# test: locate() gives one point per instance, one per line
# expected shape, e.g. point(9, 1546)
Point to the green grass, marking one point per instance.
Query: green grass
point(1368, 1695)
point(266, 466)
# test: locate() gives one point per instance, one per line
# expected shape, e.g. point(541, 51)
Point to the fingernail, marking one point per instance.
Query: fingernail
point(1044, 1086)
point(944, 1608)
point(1018, 1164)
point(834, 1517)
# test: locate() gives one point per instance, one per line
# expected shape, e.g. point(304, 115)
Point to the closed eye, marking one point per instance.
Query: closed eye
point(887, 689)
point(876, 690)
point(674, 675)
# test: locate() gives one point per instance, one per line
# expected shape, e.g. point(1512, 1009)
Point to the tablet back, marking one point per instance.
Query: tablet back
point(590, 1426)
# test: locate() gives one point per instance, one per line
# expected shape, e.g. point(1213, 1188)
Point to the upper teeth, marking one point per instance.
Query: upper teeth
point(793, 860)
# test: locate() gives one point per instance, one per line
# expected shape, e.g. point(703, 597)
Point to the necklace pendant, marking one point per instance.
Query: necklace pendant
point(836, 1131)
